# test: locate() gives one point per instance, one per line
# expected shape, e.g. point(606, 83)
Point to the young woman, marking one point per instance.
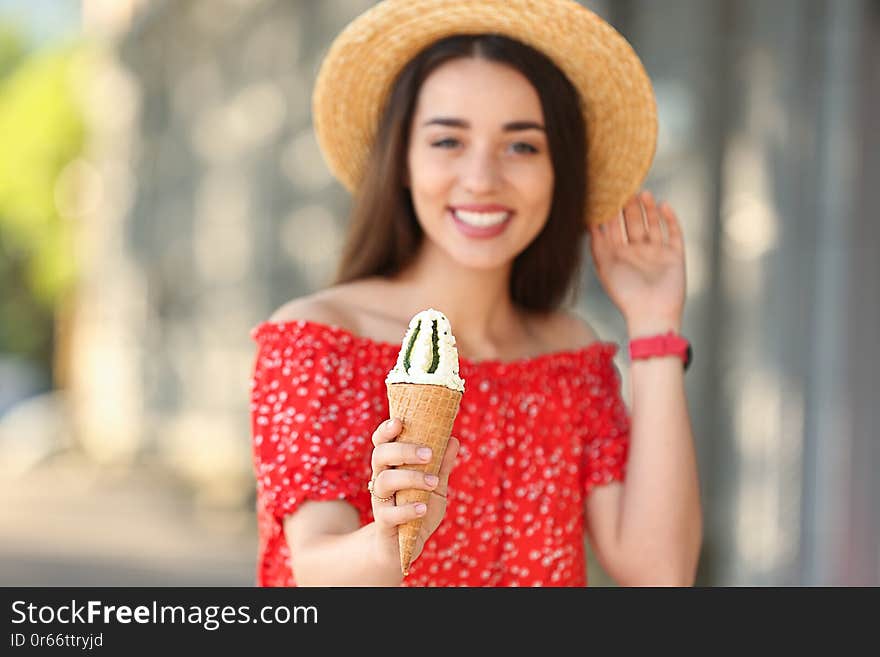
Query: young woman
point(478, 165)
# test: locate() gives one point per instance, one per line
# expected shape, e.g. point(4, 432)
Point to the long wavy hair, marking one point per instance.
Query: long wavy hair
point(384, 234)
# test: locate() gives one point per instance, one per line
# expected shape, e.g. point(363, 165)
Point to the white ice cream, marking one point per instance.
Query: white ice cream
point(424, 328)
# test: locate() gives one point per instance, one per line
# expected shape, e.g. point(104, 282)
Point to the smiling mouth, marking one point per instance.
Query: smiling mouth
point(481, 219)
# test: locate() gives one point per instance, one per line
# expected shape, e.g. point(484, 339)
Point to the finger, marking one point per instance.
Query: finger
point(377, 499)
point(447, 464)
point(390, 481)
point(655, 232)
point(673, 228)
point(387, 431)
point(391, 516)
point(616, 230)
point(392, 454)
point(635, 221)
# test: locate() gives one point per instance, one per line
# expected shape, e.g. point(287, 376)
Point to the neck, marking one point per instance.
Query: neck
point(476, 301)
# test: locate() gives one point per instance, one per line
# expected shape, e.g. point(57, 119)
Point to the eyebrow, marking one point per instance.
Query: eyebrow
point(513, 126)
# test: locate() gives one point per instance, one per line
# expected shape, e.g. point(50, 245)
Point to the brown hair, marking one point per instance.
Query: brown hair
point(384, 234)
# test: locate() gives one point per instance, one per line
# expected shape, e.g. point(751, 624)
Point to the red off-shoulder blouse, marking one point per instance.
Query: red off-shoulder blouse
point(537, 434)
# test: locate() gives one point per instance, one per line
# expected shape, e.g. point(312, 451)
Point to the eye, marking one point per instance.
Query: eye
point(525, 148)
point(448, 141)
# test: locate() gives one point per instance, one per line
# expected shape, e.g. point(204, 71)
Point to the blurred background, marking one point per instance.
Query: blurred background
point(161, 193)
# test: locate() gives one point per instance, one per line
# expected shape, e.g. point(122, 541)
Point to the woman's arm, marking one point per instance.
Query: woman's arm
point(329, 548)
point(648, 530)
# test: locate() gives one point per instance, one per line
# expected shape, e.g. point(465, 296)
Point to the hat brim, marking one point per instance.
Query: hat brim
point(619, 107)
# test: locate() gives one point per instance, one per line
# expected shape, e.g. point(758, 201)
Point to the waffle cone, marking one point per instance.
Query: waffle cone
point(427, 413)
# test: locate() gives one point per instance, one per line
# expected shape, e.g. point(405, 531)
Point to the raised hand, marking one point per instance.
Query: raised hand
point(640, 261)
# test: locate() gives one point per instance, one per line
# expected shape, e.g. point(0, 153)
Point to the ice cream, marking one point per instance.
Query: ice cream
point(428, 353)
point(424, 393)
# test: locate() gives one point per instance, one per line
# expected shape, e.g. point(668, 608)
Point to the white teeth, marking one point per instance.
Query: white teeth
point(481, 218)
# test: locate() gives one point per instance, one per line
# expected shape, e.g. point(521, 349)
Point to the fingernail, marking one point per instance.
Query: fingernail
point(432, 480)
point(421, 508)
point(424, 453)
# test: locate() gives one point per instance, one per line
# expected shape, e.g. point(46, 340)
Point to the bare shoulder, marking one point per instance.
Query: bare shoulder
point(566, 330)
point(319, 307)
point(355, 306)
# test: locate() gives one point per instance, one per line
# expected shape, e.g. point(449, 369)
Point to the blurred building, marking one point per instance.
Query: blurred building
point(213, 207)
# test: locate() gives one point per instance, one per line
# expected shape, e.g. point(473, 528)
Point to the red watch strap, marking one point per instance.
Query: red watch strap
point(661, 345)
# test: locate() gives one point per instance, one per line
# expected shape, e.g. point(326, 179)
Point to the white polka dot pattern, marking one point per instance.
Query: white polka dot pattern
point(536, 436)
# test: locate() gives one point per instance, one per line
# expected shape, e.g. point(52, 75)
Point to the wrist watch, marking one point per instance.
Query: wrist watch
point(667, 344)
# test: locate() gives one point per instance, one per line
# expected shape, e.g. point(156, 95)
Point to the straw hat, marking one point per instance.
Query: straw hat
point(362, 63)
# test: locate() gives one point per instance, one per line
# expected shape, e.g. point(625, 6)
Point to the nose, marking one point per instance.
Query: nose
point(480, 171)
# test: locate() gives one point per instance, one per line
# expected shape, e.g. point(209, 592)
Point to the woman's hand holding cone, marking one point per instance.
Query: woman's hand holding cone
point(390, 475)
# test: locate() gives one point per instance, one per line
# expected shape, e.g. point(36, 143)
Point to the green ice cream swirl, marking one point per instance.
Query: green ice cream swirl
point(409, 348)
point(435, 350)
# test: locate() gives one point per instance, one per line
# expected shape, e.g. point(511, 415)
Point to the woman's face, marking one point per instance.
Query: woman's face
point(479, 166)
